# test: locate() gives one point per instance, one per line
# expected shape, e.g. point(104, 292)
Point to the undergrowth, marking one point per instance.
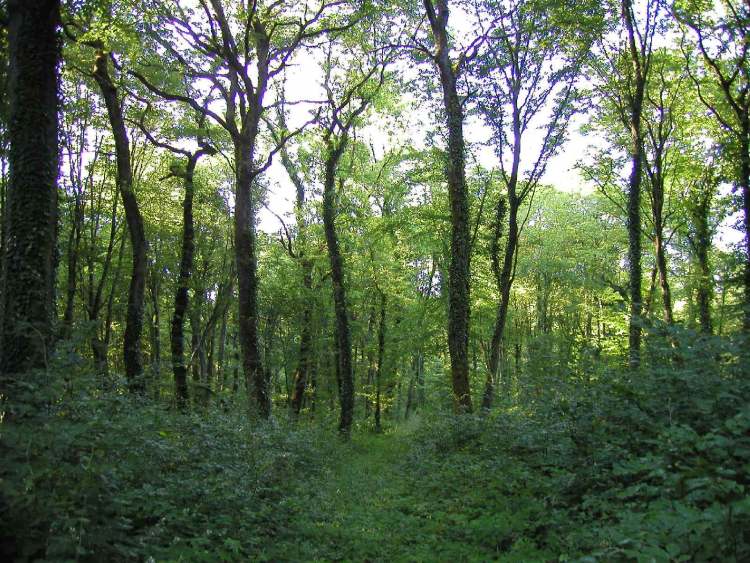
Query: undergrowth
point(106, 477)
point(598, 465)
point(646, 466)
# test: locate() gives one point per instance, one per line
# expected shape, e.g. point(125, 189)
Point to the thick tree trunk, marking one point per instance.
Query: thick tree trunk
point(27, 285)
point(341, 324)
point(247, 268)
point(458, 273)
point(132, 355)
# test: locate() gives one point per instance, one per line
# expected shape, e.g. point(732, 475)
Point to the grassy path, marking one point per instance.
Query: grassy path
point(368, 505)
point(360, 509)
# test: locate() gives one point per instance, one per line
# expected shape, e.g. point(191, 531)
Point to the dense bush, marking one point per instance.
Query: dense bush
point(101, 476)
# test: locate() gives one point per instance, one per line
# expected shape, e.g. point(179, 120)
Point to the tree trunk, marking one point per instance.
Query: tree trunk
point(305, 343)
point(745, 185)
point(155, 324)
point(27, 284)
point(381, 357)
point(635, 103)
point(220, 363)
point(657, 215)
point(504, 276)
point(74, 245)
point(132, 355)
point(705, 284)
point(247, 268)
point(458, 278)
point(341, 324)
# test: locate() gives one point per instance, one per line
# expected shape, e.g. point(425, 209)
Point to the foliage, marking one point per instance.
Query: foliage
point(101, 475)
point(605, 466)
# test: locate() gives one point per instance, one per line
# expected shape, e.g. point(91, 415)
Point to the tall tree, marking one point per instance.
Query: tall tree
point(622, 65)
point(186, 173)
point(346, 103)
point(662, 96)
point(132, 353)
point(27, 285)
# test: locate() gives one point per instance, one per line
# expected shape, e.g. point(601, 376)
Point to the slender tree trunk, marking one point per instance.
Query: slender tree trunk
point(666, 293)
point(341, 324)
point(459, 275)
point(114, 290)
point(181, 299)
point(220, 363)
point(27, 283)
point(132, 355)
point(745, 185)
point(650, 293)
point(657, 213)
point(635, 108)
point(305, 343)
point(155, 325)
point(701, 244)
point(74, 245)
point(381, 358)
point(504, 276)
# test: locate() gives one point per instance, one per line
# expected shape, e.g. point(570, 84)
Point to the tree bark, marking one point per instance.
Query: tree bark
point(132, 354)
point(27, 285)
point(458, 273)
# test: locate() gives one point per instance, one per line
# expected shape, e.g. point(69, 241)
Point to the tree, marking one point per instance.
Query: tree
point(527, 75)
point(186, 173)
point(27, 285)
point(450, 71)
point(623, 70)
point(132, 353)
point(346, 103)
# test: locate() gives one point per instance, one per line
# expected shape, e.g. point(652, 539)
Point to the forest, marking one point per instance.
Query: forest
point(374, 280)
